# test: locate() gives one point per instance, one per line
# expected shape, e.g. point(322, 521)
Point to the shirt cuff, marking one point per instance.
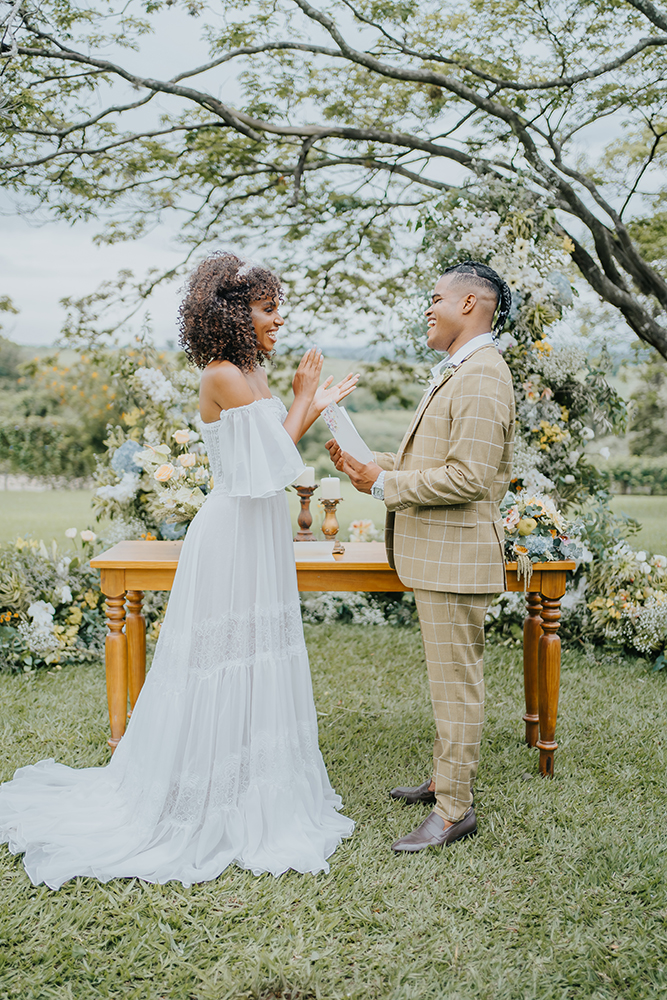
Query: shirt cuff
point(377, 489)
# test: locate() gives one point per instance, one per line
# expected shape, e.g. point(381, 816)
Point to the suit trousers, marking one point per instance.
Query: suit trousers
point(452, 628)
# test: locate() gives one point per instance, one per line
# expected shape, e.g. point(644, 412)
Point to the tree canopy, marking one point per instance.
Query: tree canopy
point(334, 129)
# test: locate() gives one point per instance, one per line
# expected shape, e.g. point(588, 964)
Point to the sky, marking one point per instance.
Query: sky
point(41, 264)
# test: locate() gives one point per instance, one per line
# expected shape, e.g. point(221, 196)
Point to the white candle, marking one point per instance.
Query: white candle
point(330, 488)
point(307, 477)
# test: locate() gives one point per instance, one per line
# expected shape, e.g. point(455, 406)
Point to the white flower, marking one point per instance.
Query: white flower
point(181, 436)
point(158, 388)
point(645, 568)
point(64, 594)
point(587, 434)
point(71, 533)
point(535, 481)
point(559, 365)
point(574, 457)
point(62, 568)
point(640, 556)
point(40, 639)
point(42, 613)
point(660, 561)
point(187, 461)
point(605, 453)
point(88, 536)
point(123, 491)
point(568, 479)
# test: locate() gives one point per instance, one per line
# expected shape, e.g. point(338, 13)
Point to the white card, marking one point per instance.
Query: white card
point(346, 434)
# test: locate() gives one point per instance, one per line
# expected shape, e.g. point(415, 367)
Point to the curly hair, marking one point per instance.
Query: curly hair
point(214, 316)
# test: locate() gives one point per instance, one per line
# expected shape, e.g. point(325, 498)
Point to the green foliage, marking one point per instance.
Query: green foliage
point(46, 446)
point(637, 474)
point(11, 356)
point(649, 410)
point(330, 155)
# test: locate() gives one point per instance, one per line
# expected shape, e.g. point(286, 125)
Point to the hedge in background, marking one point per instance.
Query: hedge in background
point(637, 474)
point(46, 446)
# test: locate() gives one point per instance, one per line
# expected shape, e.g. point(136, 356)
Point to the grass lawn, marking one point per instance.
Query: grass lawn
point(561, 896)
point(45, 515)
point(651, 512)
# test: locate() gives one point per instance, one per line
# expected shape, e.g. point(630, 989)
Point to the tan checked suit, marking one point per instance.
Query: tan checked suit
point(444, 536)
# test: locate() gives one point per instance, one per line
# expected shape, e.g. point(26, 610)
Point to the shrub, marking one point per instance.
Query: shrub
point(637, 474)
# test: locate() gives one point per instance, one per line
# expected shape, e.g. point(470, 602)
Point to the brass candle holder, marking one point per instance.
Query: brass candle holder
point(305, 518)
point(330, 525)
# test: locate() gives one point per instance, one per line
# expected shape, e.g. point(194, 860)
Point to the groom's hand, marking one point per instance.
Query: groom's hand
point(361, 476)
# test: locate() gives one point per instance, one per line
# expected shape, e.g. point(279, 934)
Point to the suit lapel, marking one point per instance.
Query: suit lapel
point(428, 396)
point(419, 413)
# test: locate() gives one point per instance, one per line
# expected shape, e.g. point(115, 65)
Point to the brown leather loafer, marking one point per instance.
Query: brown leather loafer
point(412, 795)
point(431, 833)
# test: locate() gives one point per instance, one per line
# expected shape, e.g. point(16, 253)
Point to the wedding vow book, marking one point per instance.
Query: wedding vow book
point(346, 434)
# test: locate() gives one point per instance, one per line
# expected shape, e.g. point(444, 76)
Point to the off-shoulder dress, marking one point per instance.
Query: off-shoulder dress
point(220, 763)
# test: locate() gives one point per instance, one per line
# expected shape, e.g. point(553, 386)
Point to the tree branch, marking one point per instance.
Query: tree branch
point(503, 82)
point(650, 11)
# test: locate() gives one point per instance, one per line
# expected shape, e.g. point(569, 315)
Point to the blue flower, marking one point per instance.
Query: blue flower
point(123, 458)
point(172, 532)
point(537, 545)
point(562, 286)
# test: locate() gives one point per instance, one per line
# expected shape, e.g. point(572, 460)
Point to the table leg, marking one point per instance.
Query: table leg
point(135, 630)
point(548, 682)
point(116, 667)
point(532, 631)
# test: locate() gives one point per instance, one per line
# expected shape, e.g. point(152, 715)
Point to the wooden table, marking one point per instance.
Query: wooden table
point(130, 568)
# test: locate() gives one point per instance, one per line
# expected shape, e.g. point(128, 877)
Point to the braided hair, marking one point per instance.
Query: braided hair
point(215, 322)
point(486, 277)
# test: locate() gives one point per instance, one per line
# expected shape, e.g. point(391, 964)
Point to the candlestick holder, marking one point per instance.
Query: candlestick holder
point(305, 518)
point(330, 525)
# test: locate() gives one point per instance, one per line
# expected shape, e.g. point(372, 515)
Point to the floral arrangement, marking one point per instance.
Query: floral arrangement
point(155, 475)
point(632, 609)
point(50, 605)
point(560, 396)
point(536, 531)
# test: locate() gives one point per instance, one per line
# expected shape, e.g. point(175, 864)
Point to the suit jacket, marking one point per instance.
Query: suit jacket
point(443, 486)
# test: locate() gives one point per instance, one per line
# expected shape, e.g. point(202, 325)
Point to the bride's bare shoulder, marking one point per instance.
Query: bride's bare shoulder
point(223, 386)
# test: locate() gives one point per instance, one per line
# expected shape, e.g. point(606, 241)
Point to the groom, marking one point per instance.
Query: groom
point(443, 531)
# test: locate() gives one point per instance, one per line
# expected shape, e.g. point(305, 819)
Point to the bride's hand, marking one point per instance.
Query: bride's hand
point(307, 374)
point(328, 393)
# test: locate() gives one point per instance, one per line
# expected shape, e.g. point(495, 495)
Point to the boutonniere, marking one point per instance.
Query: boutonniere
point(440, 379)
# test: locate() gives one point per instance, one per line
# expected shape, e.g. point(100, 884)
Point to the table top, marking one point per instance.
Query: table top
point(140, 554)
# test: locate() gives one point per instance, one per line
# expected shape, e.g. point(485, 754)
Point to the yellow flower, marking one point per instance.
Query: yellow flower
point(91, 598)
point(568, 245)
point(75, 615)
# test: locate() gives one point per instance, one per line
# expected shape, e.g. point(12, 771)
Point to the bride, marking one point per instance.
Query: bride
point(220, 763)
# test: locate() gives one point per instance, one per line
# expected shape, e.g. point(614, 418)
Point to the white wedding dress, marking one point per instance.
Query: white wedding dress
point(220, 763)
